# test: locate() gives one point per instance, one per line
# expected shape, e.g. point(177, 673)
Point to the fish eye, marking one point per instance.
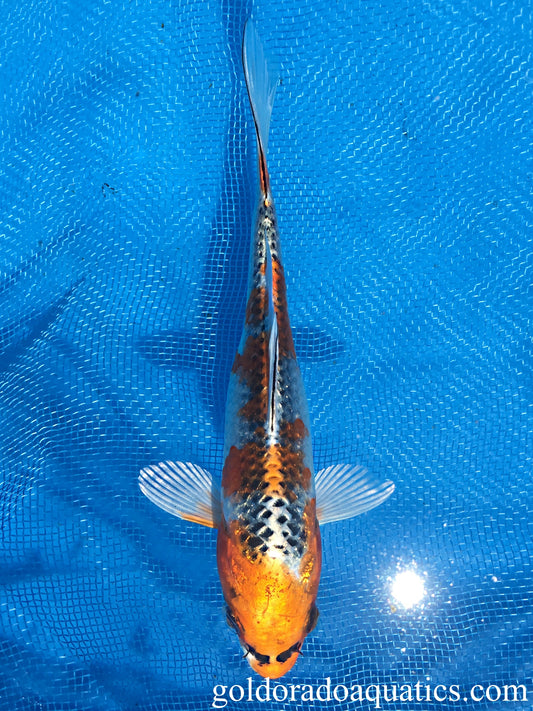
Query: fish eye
point(261, 658)
point(289, 652)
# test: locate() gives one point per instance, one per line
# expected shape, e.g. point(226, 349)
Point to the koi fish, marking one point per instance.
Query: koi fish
point(270, 503)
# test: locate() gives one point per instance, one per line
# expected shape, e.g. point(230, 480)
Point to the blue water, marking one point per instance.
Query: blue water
point(400, 157)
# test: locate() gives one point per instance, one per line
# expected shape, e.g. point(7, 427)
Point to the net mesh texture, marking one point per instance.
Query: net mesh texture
point(400, 160)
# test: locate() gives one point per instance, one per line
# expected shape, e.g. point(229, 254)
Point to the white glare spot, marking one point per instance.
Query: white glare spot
point(408, 588)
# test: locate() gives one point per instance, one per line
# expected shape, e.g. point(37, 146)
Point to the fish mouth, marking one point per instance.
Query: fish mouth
point(272, 669)
point(272, 666)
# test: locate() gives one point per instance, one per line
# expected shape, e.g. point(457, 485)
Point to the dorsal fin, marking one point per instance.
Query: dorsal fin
point(273, 341)
point(261, 84)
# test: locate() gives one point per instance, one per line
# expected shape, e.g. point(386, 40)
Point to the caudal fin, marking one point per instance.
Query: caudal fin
point(261, 84)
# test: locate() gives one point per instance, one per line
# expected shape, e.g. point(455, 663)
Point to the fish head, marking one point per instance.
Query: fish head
point(270, 604)
point(274, 664)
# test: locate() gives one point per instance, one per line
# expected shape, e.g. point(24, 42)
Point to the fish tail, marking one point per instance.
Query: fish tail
point(261, 84)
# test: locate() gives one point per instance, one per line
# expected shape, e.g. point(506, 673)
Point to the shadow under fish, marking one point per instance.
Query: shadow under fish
point(16, 337)
point(211, 348)
point(178, 350)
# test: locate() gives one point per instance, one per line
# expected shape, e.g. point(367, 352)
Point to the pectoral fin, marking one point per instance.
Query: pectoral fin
point(344, 491)
point(182, 489)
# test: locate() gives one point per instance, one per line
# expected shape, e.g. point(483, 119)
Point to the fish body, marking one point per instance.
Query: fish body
point(269, 505)
point(268, 550)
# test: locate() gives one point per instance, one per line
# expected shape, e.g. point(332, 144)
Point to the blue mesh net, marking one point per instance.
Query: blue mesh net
point(400, 158)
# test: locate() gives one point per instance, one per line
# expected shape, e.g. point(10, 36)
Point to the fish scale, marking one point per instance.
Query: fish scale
point(273, 526)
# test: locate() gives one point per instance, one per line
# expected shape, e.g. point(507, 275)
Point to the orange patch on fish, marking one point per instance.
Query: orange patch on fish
point(269, 602)
point(286, 342)
point(275, 470)
point(254, 352)
point(294, 430)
